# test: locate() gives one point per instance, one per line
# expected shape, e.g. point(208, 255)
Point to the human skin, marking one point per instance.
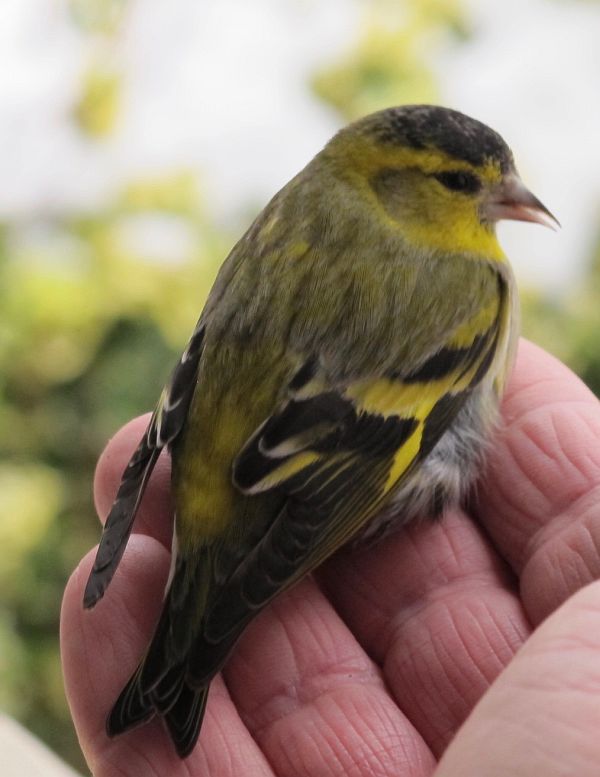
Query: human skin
point(414, 657)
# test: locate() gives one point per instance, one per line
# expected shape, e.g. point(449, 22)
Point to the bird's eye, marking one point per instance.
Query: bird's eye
point(459, 181)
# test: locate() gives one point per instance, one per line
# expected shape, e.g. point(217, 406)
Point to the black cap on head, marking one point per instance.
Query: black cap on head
point(425, 126)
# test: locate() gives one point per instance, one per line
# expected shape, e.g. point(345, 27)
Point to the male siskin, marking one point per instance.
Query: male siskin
point(343, 378)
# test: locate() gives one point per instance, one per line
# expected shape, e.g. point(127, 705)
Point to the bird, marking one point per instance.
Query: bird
point(343, 379)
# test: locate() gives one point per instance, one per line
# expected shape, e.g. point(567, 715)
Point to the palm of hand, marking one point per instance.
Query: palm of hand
point(372, 668)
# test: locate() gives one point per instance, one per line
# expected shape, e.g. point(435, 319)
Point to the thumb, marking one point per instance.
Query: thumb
point(542, 715)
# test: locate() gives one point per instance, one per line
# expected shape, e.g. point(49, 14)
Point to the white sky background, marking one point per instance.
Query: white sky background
point(221, 85)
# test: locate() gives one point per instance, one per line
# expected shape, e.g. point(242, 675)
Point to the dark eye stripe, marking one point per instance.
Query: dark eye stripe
point(459, 181)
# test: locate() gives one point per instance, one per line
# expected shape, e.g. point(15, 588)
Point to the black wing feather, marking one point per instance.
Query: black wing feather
point(166, 423)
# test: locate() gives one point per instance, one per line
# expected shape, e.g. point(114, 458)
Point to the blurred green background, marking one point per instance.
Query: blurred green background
point(92, 316)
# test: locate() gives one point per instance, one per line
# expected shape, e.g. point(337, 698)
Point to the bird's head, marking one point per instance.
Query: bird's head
point(443, 178)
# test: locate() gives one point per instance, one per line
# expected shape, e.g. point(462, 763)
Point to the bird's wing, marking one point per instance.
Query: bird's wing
point(336, 453)
point(166, 423)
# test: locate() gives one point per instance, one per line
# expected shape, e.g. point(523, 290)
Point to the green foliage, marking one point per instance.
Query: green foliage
point(393, 61)
point(98, 16)
point(97, 110)
point(89, 330)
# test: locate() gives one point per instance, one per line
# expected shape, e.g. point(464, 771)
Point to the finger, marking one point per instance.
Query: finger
point(437, 610)
point(314, 701)
point(100, 650)
point(539, 496)
point(542, 716)
point(156, 510)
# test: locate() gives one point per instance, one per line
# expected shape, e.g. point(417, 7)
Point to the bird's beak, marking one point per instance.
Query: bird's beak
point(512, 200)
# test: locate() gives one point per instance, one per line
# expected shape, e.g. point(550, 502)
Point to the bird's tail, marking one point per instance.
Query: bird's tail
point(161, 685)
point(179, 705)
point(184, 719)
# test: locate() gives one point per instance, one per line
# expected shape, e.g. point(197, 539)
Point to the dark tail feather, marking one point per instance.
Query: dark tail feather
point(184, 719)
point(181, 707)
point(131, 709)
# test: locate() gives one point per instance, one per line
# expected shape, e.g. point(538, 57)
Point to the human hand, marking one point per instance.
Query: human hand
point(373, 667)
